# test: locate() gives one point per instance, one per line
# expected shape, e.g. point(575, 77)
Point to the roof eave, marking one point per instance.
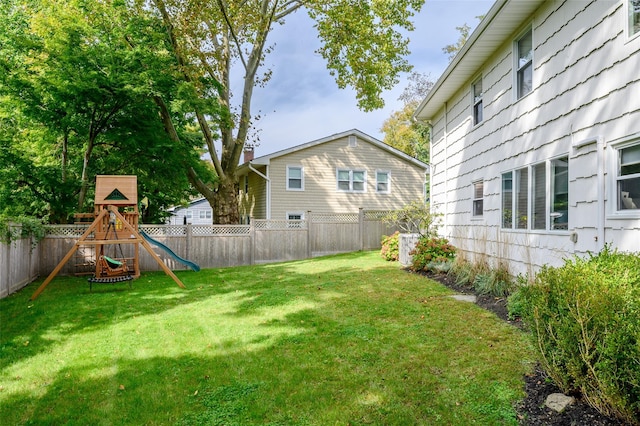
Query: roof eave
point(501, 21)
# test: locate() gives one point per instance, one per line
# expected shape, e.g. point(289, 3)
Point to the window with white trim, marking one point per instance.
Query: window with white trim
point(537, 197)
point(524, 64)
point(634, 17)
point(294, 219)
point(628, 178)
point(478, 199)
point(383, 182)
point(477, 101)
point(295, 178)
point(246, 184)
point(189, 214)
point(205, 214)
point(351, 180)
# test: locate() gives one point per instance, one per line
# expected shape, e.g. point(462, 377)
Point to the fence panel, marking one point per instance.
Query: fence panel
point(19, 263)
point(209, 246)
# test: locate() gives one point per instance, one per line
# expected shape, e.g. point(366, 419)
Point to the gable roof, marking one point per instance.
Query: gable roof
point(499, 24)
point(266, 159)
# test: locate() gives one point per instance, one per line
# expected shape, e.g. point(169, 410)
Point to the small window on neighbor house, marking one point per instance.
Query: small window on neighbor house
point(477, 101)
point(628, 179)
point(524, 65)
point(246, 184)
point(294, 219)
point(383, 182)
point(295, 178)
point(205, 214)
point(189, 214)
point(478, 198)
point(351, 180)
point(634, 17)
point(353, 141)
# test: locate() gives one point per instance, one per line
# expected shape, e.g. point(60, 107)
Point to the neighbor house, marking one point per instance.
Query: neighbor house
point(197, 212)
point(535, 133)
point(337, 174)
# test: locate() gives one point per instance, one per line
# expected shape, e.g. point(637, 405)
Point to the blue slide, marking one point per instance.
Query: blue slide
point(170, 252)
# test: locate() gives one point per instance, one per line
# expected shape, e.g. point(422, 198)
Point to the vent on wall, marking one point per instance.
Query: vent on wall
point(353, 141)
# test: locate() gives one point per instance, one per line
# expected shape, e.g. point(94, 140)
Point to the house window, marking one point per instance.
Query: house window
point(294, 219)
point(478, 198)
point(628, 178)
point(353, 141)
point(524, 66)
point(383, 182)
point(544, 189)
point(515, 199)
point(189, 214)
point(246, 184)
point(477, 101)
point(351, 180)
point(634, 17)
point(295, 180)
point(205, 214)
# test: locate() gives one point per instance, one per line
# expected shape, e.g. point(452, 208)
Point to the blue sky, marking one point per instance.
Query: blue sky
point(302, 102)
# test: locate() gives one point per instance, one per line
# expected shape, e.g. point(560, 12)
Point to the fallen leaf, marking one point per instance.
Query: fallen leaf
point(121, 387)
point(195, 393)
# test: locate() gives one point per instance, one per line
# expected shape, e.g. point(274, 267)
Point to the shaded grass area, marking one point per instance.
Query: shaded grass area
point(348, 339)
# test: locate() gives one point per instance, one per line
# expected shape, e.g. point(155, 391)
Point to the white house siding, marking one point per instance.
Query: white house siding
point(178, 215)
point(320, 194)
point(586, 87)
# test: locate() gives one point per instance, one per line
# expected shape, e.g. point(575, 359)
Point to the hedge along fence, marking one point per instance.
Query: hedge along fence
point(213, 246)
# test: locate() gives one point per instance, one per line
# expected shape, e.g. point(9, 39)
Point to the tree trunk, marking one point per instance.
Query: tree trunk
point(225, 208)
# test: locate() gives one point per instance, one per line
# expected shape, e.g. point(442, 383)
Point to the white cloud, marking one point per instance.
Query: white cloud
point(302, 103)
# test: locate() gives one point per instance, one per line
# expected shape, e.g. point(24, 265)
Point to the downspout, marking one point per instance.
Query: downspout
point(600, 146)
point(600, 187)
point(446, 170)
point(268, 195)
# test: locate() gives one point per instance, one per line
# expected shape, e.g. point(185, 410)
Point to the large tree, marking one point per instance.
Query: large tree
point(83, 75)
point(400, 130)
point(217, 42)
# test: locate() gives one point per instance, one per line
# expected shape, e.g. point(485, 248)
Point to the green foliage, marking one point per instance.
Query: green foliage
point(429, 250)
point(585, 321)
point(495, 281)
point(390, 250)
point(415, 217)
point(15, 228)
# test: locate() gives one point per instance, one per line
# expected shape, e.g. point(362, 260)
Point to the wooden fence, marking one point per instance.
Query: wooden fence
point(214, 246)
point(19, 265)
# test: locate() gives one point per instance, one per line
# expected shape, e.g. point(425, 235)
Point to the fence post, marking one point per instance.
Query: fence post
point(189, 235)
point(309, 251)
point(252, 242)
point(361, 227)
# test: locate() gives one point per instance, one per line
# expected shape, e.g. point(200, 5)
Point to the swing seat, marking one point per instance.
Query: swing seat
point(111, 267)
point(112, 263)
point(109, 280)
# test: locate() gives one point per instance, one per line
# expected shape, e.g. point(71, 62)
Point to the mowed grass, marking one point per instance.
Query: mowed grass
point(347, 339)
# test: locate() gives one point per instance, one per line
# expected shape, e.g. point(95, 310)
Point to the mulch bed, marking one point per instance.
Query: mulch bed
point(531, 411)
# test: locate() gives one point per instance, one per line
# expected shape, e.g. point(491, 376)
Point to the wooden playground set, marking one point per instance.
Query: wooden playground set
point(115, 223)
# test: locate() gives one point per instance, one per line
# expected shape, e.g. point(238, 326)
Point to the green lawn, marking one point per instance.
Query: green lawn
point(348, 339)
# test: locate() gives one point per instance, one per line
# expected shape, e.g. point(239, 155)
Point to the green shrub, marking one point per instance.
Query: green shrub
point(391, 246)
point(15, 228)
point(494, 282)
point(585, 322)
point(429, 250)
